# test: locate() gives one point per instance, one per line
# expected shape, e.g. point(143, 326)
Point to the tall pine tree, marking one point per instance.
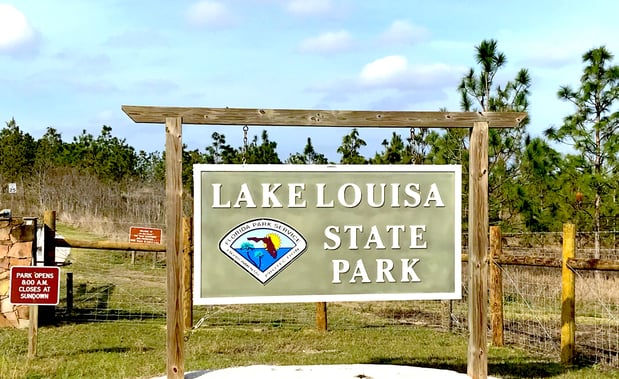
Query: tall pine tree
point(593, 129)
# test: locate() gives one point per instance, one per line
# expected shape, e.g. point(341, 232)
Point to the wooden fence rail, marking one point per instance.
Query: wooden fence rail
point(109, 245)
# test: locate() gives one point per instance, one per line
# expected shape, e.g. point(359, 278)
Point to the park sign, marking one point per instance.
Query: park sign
point(140, 234)
point(310, 233)
point(34, 285)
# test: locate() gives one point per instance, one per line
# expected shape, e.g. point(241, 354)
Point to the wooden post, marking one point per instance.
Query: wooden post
point(496, 287)
point(187, 272)
point(174, 248)
point(568, 297)
point(47, 313)
point(33, 331)
point(477, 360)
point(447, 310)
point(69, 283)
point(49, 230)
point(321, 317)
point(33, 312)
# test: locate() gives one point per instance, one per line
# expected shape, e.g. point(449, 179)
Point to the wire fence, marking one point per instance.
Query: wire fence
point(597, 301)
point(532, 295)
point(131, 287)
point(597, 317)
point(532, 298)
point(113, 286)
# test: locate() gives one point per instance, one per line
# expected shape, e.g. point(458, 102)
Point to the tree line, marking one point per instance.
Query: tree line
point(532, 186)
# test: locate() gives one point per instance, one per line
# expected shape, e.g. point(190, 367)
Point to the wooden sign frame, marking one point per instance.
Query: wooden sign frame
point(477, 122)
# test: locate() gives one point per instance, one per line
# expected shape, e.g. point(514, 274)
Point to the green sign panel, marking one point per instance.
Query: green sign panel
point(308, 233)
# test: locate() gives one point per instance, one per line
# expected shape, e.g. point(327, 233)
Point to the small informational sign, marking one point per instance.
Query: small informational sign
point(139, 234)
point(12, 187)
point(34, 285)
point(310, 233)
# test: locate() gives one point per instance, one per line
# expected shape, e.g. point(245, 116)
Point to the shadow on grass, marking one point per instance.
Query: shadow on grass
point(101, 315)
point(509, 369)
point(104, 350)
point(60, 316)
point(115, 349)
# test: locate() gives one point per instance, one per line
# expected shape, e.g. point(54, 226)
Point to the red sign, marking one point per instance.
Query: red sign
point(35, 285)
point(144, 235)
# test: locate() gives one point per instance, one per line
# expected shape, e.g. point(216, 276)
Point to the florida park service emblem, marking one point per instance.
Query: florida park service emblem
point(263, 247)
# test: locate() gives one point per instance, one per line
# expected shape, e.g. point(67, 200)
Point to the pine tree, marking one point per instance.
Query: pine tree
point(593, 129)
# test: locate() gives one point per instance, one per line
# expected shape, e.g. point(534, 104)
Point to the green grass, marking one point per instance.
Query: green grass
point(137, 350)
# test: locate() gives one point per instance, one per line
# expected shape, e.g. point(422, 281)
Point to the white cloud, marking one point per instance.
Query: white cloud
point(393, 83)
point(17, 37)
point(384, 70)
point(309, 7)
point(211, 14)
point(557, 50)
point(330, 42)
point(395, 72)
point(404, 32)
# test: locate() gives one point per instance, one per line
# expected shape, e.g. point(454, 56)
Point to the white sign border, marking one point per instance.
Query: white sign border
point(456, 294)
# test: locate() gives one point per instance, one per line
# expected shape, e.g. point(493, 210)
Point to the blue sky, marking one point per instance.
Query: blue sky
point(71, 64)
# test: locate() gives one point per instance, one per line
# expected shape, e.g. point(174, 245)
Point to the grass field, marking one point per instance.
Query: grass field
point(117, 330)
point(137, 350)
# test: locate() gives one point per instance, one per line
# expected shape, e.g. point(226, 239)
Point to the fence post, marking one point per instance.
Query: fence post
point(49, 231)
point(69, 282)
point(568, 297)
point(447, 320)
point(187, 272)
point(321, 316)
point(496, 287)
point(47, 313)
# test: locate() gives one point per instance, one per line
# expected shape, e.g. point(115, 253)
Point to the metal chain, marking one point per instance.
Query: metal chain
point(194, 328)
point(245, 130)
point(410, 145)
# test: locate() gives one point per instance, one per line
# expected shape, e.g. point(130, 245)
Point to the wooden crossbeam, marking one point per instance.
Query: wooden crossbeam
point(318, 118)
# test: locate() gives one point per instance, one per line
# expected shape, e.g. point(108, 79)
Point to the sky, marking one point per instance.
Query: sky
point(72, 64)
